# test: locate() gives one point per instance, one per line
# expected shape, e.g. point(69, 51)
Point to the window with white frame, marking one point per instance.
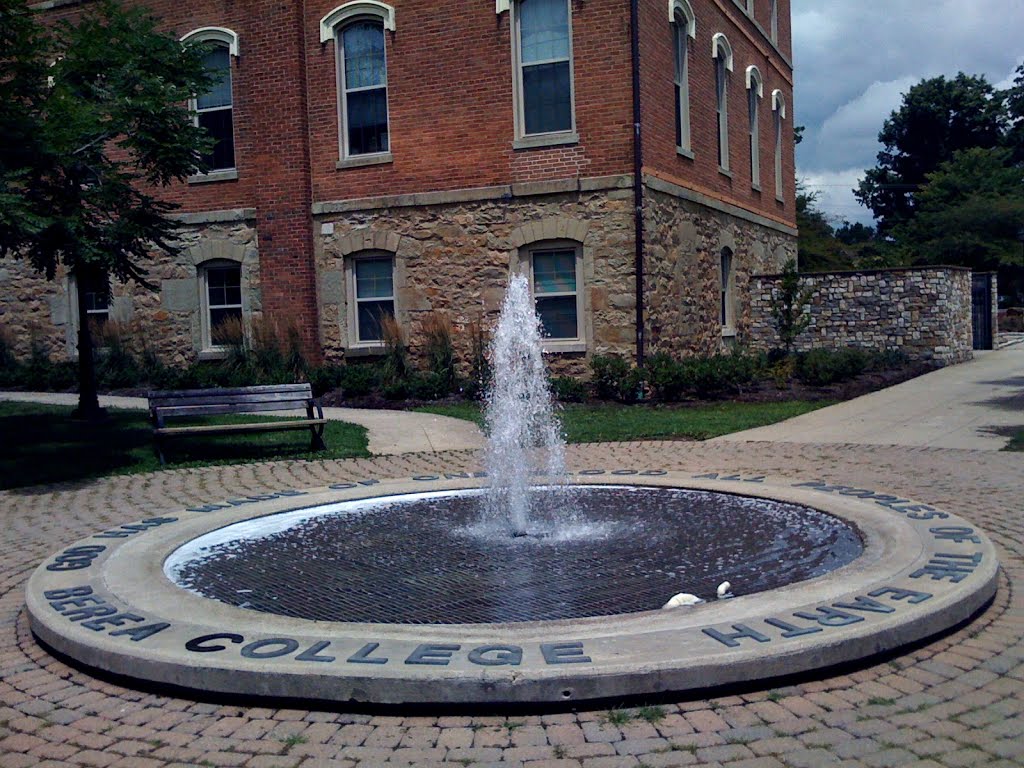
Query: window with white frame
point(542, 49)
point(554, 279)
point(372, 295)
point(722, 53)
point(778, 115)
point(93, 288)
point(222, 304)
point(683, 28)
point(755, 89)
point(363, 87)
point(214, 109)
point(727, 280)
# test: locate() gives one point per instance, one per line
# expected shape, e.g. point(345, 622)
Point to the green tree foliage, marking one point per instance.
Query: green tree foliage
point(938, 117)
point(969, 212)
point(1015, 110)
point(102, 104)
point(818, 249)
point(789, 306)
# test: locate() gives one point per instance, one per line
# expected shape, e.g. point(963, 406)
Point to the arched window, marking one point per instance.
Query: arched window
point(755, 90)
point(684, 27)
point(371, 280)
point(542, 55)
point(358, 29)
point(774, 11)
point(554, 280)
point(778, 115)
point(727, 312)
point(721, 52)
point(214, 109)
point(221, 283)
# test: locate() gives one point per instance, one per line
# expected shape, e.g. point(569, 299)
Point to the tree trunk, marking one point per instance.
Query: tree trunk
point(88, 402)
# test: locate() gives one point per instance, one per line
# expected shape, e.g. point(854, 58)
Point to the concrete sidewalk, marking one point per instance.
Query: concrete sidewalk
point(389, 432)
point(968, 406)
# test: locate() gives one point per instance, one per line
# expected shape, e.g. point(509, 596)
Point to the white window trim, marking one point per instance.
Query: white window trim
point(774, 24)
point(755, 91)
point(222, 35)
point(229, 39)
point(727, 285)
point(352, 313)
point(522, 138)
point(683, 8)
point(682, 13)
point(721, 53)
point(579, 343)
point(346, 12)
point(73, 317)
point(779, 115)
point(346, 159)
point(208, 348)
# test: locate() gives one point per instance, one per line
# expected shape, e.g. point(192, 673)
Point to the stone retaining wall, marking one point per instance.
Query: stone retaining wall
point(925, 312)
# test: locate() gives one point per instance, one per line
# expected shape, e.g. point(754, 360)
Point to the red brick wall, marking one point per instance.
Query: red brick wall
point(750, 47)
point(450, 101)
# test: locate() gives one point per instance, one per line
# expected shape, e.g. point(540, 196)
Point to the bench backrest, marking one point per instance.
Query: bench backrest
point(211, 402)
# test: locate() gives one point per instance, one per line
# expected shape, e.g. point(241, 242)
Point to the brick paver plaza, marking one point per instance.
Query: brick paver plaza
point(956, 701)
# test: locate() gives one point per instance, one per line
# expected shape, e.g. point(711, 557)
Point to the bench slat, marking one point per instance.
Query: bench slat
point(240, 400)
point(212, 429)
point(295, 389)
point(215, 408)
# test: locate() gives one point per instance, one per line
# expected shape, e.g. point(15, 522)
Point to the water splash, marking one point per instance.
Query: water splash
point(524, 436)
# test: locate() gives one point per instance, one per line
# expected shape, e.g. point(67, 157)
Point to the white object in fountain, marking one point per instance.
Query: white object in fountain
point(682, 600)
point(524, 437)
point(723, 590)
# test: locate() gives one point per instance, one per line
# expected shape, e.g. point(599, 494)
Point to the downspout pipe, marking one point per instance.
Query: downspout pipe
point(638, 180)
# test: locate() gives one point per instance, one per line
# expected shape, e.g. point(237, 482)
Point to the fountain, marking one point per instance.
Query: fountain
point(523, 583)
point(523, 435)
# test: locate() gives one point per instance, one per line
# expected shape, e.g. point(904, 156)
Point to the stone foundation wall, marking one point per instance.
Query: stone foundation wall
point(454, 258)
point(683, 271)
point(167, 321)
point(924, 312)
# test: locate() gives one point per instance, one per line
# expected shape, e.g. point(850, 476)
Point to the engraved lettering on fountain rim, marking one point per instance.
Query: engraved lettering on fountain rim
point(837, 614)
point(425, 654)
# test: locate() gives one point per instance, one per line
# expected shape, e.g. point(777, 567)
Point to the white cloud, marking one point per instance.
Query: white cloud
point(835, 195)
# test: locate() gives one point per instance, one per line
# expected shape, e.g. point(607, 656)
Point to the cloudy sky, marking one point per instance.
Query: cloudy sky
point(855, 58)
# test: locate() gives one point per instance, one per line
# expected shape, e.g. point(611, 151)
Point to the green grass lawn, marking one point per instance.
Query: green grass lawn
point(42, 444)
point(601, 423)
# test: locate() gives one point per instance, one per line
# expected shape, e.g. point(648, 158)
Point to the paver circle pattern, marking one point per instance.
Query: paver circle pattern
point(954, 701)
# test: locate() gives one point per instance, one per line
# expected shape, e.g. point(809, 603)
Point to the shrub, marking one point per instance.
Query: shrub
point(888, 360)
point(440, 353)
point(567, 389)
point(717, 375)
point(616, 379)
point(822, 367)
point(669, 380)
point(116, 366)
point(427, 386)
point(8, 363)
point(789, 306)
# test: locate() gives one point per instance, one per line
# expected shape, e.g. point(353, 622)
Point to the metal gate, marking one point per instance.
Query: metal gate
point(981, 310)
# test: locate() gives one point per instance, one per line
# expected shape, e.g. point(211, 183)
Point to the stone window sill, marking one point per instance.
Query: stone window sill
point(725, 171)
point(230, 174)
point(687, 153)
point(358, 161)
point(365, 350)
point(213, 354)
point(728, 332)
point(546, 140)
point(756, 188)
point(555, 347)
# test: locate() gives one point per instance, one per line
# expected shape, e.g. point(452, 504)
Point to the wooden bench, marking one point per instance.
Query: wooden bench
point(215, 402)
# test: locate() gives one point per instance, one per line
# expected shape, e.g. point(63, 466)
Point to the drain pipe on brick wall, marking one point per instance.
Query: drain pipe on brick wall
point(638, 180)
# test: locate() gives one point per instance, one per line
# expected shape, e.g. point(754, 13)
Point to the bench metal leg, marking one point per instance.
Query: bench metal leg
point(316, 442)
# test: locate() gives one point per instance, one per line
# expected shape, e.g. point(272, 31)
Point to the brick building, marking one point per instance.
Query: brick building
point(402, 158)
